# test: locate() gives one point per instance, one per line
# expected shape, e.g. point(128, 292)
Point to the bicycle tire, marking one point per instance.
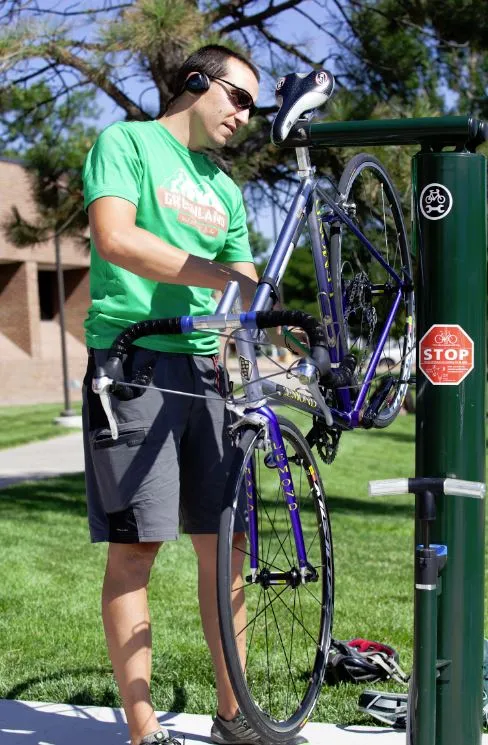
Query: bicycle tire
point(368, 195)
point(277, 706)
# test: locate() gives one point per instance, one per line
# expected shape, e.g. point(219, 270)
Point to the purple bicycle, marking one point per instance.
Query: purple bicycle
point(275, 559)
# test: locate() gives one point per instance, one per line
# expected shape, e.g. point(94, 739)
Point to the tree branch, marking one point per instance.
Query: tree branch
point(88, 11)
point(289, 48)
point(99, 78)
point(258, 18)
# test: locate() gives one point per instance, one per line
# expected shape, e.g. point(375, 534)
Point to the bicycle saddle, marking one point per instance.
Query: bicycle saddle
point(297, 94)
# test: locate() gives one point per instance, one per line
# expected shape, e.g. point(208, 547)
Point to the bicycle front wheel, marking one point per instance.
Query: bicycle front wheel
point(366, 285)
point(275, 627)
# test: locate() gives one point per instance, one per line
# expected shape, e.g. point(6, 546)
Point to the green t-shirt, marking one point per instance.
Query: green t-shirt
point(182, 197)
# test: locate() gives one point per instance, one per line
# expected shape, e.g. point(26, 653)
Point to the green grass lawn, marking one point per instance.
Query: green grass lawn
point(51, 641)
point(22, 424)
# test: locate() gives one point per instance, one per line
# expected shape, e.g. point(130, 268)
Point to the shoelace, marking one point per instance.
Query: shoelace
point(243, 727)
point(170, 741)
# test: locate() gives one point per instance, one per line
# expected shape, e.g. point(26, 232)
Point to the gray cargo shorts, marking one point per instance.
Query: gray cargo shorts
point(171, 461)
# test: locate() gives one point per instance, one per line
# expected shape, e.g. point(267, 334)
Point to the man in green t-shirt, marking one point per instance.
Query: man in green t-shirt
point(168, 228)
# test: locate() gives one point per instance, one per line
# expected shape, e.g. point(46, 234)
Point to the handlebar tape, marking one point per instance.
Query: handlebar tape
point(319, 352)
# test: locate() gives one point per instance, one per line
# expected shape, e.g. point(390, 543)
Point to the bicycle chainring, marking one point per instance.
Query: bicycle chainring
point(326, 439)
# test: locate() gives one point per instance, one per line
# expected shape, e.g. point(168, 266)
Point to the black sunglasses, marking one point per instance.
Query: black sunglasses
point(241, 98)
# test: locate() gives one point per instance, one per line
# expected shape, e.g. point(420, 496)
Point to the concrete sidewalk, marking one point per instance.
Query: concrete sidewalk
point(44, 459)
point(33, 723)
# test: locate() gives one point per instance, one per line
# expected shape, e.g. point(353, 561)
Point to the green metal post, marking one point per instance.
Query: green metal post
point(425, 653)
point(449, 200)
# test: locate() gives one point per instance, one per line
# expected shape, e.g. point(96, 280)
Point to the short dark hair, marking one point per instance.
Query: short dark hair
point(211, 60)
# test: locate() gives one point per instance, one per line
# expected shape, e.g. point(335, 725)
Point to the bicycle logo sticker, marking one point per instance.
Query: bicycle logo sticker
point(245, 367)
point(435, 201)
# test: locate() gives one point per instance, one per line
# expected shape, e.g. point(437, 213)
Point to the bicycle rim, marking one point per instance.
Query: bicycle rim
point(365, 290)
point(285, 635)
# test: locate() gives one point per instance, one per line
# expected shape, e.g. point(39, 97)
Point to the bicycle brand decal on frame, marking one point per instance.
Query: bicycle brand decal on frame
point(435, 201)
point(446, 354)
point(245, 366)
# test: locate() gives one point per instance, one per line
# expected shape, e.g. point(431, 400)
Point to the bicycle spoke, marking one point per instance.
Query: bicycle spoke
point(273, 522)
point(261, 612)
point(274, 530)
point(311, 593)
point(301, 613)
point(241, 587)
point(291, 648)
point(284, 651)
point(298, 620)
point(248, 650)
point(267, 656)
point(273, 566)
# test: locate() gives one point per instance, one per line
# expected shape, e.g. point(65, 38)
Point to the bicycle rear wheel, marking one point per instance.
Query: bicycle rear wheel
point(365, 285)
point(277, 642)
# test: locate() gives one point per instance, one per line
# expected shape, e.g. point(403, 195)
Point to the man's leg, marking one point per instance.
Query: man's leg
point(206, 549)
point(128, 630)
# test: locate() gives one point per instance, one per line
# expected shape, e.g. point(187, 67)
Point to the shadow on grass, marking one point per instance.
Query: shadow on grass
point(83, 696)
point(368, 507)
point(399, 436)
point(86, 695)
point(344, 505)
point(66, 494)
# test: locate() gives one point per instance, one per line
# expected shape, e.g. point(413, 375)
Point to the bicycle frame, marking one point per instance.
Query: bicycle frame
point(303, 209)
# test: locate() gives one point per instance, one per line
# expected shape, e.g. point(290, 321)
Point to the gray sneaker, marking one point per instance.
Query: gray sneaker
point(160, 737)
point(235, 732)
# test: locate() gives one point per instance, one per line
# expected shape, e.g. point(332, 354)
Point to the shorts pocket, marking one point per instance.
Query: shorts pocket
point(121, 467)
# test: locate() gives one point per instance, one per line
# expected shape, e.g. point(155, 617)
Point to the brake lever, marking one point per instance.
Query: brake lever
point(102, 386)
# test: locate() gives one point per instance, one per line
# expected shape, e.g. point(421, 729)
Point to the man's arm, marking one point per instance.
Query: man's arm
point(118, 240)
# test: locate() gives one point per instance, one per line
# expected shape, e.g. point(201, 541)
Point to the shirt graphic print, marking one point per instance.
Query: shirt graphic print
point(197, 204)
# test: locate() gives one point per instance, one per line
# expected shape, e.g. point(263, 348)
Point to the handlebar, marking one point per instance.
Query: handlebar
point(109, 377)
point(319, 352)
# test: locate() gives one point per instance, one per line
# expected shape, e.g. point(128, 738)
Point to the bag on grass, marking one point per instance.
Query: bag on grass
point(362, 661)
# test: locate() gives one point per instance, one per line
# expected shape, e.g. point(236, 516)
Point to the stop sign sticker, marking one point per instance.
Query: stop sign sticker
point(446, 354)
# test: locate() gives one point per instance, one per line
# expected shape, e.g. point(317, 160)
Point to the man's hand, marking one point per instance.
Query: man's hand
point(279, 339)
point(244, 272)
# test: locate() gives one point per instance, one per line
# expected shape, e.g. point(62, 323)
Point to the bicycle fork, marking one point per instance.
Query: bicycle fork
point(276, 459)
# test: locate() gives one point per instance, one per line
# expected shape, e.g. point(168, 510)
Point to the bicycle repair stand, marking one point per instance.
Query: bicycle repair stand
point(449, 226)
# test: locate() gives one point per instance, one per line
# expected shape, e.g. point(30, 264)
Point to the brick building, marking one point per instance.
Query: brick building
point(30, 340)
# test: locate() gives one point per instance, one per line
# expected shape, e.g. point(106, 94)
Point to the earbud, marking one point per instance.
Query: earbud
point(197, 82)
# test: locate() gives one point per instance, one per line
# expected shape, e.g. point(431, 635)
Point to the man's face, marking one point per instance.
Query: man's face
point(216, 114)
